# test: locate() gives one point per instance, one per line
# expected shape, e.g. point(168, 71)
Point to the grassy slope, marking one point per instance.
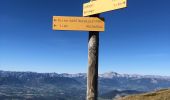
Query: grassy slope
point(158, 95)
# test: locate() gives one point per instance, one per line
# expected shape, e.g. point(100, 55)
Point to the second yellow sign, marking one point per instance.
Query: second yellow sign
point(99, 6)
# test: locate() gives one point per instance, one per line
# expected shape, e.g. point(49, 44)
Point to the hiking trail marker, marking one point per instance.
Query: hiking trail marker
point(93, 23)
point(99, 6)
point(78, 23)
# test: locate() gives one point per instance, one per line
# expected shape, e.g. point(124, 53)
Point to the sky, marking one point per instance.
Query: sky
point(136, 39)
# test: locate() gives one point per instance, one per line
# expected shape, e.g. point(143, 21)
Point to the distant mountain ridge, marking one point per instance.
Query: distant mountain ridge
point(54, 85)
point(104, 75)
point(114, 74)
point(107, 81)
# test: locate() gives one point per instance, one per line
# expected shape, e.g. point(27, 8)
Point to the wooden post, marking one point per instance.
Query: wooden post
point(92, 76)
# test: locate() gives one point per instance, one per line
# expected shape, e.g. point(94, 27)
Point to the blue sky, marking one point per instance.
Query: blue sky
point(136, 39)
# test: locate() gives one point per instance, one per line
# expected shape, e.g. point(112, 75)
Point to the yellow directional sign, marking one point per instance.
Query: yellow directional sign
point(78, 23)
point(99, 6)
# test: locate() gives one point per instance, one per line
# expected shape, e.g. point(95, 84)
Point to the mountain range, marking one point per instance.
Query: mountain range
point(54, 86)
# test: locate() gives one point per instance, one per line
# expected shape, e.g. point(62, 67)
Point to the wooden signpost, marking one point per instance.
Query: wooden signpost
point(93, 24)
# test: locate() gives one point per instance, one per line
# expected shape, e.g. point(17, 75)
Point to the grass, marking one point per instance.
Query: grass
point(163, 94)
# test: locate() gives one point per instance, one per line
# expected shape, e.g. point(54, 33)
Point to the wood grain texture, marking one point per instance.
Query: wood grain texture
point(92, 79)
point(92, 76)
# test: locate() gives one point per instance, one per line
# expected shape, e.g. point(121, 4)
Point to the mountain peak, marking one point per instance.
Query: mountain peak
point(109, 75)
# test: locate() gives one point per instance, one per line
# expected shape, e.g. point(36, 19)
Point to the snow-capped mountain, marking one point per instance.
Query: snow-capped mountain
point(136, 76)
point(106, 75)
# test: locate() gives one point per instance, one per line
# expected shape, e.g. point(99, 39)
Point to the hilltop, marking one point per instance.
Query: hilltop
point(163, 94)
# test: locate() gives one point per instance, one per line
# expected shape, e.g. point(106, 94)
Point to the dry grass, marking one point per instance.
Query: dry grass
point(158, 95)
